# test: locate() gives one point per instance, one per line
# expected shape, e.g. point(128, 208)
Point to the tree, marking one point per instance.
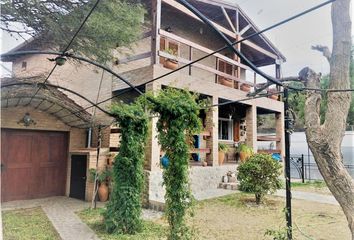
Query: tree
point(325, 138)
point(113, 24)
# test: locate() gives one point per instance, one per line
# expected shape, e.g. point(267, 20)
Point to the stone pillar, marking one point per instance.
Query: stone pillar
point(212, 122)
point(251, 127)
point(279, 129)
point(152, 151)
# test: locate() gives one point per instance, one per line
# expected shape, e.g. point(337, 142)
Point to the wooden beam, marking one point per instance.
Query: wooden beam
point(134, 58)
point(228, 19)
point(156, 24)
point(245, 29)
point(183, 9)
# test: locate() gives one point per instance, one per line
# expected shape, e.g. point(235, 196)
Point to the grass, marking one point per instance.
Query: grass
point(93, 218)
point(315, 186)
point(28, 224)
point(236, 216)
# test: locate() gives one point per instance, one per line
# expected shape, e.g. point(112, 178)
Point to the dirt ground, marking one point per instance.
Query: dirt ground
point(237, 217)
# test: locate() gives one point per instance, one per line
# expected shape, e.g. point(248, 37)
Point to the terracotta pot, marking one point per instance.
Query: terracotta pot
point(226, 82)
point(244, 156)
point(275, 97)
point(103, 192)
point(170, 64)
point(221, 157)
point(245, 87)
point(204, 164)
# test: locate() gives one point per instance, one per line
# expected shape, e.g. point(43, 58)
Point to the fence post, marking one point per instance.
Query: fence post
point(302, 168)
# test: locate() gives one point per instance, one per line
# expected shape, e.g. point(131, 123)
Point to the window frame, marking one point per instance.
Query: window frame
point(230, 129)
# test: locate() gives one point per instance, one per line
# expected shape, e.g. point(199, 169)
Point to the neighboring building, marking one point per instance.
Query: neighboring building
point(175, 33)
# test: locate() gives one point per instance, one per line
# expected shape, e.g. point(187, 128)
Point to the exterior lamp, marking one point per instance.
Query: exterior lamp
point(27, 120)
point(60, 60)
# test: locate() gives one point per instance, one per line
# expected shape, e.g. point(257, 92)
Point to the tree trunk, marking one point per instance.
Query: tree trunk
point(325, 140)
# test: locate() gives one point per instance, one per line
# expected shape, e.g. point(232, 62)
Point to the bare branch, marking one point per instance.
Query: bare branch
point(324, 50)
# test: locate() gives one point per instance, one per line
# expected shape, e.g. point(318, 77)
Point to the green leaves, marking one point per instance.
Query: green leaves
point(124, 208)
point(178, 119)
point(113, 24)
point(259, 175)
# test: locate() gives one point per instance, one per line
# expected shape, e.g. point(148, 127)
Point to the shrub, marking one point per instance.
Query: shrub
point(259, 175)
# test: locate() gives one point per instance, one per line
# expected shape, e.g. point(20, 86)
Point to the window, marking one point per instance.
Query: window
point(226, 129)
point(24, 66)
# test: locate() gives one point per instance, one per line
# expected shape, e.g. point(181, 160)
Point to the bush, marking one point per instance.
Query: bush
point(259, 175)
point(223, 147)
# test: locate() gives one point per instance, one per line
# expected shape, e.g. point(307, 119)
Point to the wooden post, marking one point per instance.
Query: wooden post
point(156, 24)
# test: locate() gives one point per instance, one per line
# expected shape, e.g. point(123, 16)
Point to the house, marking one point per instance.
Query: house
point(173, 37)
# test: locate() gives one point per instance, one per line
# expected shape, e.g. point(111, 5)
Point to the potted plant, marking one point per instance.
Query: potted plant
point(245, 87)
point(171, 63)
point(273, 96)
point(223, 148)
point(103, 178)
point(244, 151)
point(224, 81)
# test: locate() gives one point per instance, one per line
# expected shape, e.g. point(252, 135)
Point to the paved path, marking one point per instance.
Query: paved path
point(61, 212)
point(314, 197)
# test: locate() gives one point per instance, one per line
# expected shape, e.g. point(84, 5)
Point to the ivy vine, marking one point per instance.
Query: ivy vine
point(178, 119)
point(123, 214)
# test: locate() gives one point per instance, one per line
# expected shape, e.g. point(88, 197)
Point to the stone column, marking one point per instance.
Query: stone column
point(152, 151)
point(251, 127)
point(279, 129)
point(212, 122)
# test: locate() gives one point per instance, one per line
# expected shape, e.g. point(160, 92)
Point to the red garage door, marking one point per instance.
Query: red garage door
point(33, 164)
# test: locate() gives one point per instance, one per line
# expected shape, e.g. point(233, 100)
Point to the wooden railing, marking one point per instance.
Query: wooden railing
point(221, 77)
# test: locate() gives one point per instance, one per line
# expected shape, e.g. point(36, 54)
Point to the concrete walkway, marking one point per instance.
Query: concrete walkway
point(61, 212)
point(314, 197)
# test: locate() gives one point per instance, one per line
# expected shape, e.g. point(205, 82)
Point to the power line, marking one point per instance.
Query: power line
point(223, 48)
point(66, 48)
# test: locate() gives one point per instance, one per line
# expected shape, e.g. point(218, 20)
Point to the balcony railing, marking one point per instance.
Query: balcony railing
point(219, 68)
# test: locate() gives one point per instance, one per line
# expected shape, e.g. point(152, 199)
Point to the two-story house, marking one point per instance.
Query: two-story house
point(173, 37)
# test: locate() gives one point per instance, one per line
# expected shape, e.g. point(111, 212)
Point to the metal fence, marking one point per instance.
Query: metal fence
point(304, 167)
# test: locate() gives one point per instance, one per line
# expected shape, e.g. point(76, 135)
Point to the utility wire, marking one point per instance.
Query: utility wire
point(219, 50)
point(66, 48)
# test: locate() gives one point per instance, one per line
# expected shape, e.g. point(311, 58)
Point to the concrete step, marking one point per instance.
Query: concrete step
point(230, 186)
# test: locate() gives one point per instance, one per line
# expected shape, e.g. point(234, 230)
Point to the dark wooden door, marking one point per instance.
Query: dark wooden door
point(33, 164)
point(78, 176)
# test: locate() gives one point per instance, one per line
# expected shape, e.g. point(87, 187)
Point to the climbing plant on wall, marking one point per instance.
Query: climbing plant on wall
point(178, 119)
point(124, 208)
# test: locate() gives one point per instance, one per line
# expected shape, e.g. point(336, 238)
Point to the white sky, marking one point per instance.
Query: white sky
point(293, 39)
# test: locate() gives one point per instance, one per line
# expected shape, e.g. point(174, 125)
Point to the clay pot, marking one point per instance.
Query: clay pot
point(245, 87)
point(226, 82)
point(170, 64)
point(221, 158)
point(204, 164)
point(274, 97)
point(244, 156)
point(103, 192)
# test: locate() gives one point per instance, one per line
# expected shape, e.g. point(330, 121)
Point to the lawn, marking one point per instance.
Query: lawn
point(237, 217)
point(28, 224)
point(93, 218)
point(314, 186)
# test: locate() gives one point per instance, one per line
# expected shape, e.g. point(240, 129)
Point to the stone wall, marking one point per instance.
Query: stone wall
point(202, 179)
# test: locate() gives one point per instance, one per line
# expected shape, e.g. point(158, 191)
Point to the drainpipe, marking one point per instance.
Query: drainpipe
point(89, 137)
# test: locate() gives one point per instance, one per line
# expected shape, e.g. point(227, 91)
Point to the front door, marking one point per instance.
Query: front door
point(78, 176)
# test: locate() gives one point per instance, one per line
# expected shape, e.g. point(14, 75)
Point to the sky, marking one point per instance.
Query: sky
point(294, 39)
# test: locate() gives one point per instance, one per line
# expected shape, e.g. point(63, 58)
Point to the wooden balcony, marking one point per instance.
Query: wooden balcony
point(228, 73)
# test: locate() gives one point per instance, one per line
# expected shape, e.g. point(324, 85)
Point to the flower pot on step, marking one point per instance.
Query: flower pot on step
point(221, 157)
point(103, 192)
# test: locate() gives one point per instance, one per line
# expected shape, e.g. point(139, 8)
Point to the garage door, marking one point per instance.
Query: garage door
point(33, 164)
